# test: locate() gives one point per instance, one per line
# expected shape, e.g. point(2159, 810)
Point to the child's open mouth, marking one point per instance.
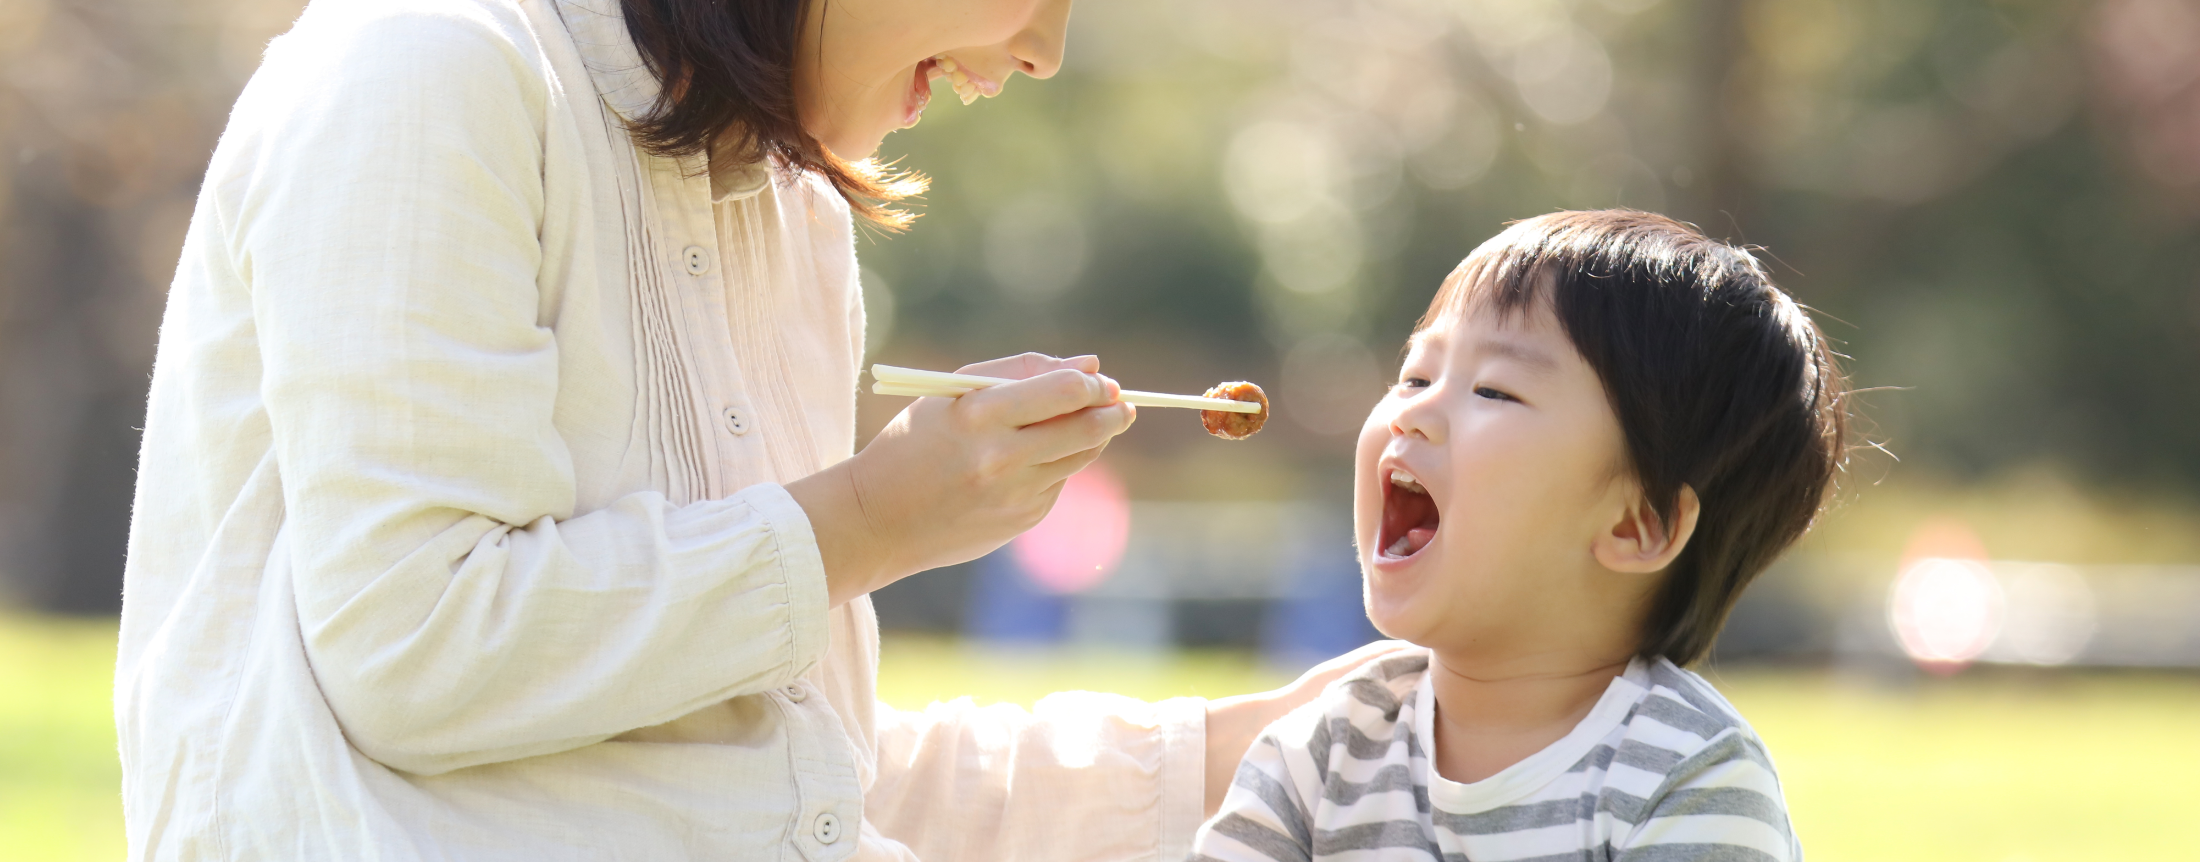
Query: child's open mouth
point(1409, 517)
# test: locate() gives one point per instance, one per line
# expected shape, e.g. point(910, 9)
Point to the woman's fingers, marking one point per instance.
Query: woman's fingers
point(1066, 435)
point(1031, 365)
point(1013, 367)
point(1034, 400)
point(1060, 469)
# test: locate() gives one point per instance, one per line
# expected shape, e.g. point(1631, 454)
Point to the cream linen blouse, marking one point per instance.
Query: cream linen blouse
point(458, 532)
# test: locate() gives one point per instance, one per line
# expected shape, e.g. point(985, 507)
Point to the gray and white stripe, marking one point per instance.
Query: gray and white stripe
point(1663, 768)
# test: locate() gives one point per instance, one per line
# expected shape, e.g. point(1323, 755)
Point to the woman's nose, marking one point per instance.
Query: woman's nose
point(1037, 49)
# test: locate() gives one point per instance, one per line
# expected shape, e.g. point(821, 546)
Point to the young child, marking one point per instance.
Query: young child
point(1605, 426)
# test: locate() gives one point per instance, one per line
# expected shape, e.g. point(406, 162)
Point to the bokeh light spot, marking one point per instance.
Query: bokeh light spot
point(1945, 612)
point(1079, 543)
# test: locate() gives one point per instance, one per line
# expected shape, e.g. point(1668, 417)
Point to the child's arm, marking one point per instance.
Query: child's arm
point(1723, 802)
point(1264, 817)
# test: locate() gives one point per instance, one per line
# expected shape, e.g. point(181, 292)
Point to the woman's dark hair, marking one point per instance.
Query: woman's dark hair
point(1721, 383)
point(726, 70)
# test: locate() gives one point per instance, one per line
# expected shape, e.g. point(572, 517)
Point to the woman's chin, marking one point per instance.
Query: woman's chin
point(853, 141)
point(855, 148)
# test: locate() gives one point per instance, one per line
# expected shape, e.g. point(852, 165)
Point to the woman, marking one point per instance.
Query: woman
point(497, 500)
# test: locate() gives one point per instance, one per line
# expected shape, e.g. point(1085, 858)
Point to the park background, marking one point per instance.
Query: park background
point(1993, 206)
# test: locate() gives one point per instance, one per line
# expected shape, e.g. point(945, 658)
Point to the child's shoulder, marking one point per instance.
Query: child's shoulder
point(1690, 766)
point(1370, 699)
point(1378, 689)
point(1681, 734)
point(1683, 711)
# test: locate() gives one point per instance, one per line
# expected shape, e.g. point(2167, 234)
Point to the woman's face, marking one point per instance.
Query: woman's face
point(865, 67)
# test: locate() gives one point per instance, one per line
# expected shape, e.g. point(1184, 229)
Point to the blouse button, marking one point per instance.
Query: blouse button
point(797, 694)
point(737, 421)
point(698, 260)
point(827, 829)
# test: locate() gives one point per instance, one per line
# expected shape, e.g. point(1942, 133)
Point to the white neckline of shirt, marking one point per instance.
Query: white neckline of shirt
point(1518, 781)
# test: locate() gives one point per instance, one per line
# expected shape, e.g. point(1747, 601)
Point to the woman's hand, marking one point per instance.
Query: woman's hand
point(1234, 722)
point(951, 479)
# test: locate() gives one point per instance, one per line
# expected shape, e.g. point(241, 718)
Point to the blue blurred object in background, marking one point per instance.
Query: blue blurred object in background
point(1290, 583)
point(1007, 606)
point(1319, 612)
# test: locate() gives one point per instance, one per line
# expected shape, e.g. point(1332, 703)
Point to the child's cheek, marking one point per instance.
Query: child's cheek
point(1367, 493)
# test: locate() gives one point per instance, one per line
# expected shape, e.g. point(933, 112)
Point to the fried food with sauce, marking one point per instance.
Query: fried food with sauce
point(1235, 426)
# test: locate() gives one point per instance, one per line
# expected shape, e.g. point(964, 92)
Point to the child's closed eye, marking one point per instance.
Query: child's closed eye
point(1412, 383)
point(1494, 394)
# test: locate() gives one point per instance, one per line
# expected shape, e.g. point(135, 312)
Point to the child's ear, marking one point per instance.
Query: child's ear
point(1638, 542)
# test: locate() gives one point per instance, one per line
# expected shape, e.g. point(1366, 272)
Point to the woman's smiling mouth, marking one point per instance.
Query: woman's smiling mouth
point(920, 92)
point(1410, 518)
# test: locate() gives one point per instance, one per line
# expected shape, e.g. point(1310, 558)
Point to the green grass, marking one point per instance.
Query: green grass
point(60, 784)
point(1995, 767)
point(1992, 767)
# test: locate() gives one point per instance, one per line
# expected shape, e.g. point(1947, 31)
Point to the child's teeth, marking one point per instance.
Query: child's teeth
point(1401, 547)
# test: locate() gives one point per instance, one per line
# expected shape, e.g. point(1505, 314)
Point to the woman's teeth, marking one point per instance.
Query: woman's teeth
point(965, 88)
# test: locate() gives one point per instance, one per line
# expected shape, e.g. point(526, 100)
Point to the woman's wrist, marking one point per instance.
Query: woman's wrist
point(856, 559)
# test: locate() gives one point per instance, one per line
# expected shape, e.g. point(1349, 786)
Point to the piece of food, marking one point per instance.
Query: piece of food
point(1235, 426)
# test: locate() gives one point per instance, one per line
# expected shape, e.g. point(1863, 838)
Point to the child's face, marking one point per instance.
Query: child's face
point(1509, 433)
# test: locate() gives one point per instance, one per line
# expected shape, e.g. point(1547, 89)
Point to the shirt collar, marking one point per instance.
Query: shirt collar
point(630, 90)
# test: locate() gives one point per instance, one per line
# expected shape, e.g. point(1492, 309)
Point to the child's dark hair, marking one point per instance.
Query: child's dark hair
point(1720, 381)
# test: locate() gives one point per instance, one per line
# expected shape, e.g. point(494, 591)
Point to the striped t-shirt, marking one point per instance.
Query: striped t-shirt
point(1663, 768)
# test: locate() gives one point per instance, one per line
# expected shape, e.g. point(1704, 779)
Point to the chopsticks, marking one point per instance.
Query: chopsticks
point(917, 383)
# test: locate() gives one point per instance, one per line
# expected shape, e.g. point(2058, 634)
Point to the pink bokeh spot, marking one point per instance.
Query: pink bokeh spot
point(1945, 606)
point(1079, 543)
point(1946, 612)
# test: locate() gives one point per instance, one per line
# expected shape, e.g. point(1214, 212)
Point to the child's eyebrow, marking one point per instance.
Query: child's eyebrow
point(1521, 353)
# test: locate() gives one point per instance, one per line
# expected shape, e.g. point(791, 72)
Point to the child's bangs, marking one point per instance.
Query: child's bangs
point(1501, 276)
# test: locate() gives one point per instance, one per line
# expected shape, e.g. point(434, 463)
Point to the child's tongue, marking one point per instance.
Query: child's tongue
point(1409, 517)
point(1412, 542)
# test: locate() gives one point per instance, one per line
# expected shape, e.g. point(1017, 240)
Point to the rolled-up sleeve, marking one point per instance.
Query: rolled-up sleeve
point(455, 608)
point(1078, 777)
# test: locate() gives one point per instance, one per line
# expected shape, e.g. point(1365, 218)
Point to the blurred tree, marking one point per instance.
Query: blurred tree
point(1996, 204)
point(108, 111)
